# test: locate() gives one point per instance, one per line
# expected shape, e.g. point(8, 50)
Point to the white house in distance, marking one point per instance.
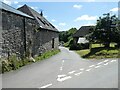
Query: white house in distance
point(79, 36)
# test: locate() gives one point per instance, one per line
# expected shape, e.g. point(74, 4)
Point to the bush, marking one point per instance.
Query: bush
point(74, 47)
point(13, 63)
point(5, 66)
point(79, 46)
point(70, 42)
point(84, 46)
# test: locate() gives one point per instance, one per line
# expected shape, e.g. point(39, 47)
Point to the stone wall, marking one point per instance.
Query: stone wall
point(43, 41)
point(20, 36)
point(30, 27)
point(12, 26)
point(17, 31)
point(0, 33)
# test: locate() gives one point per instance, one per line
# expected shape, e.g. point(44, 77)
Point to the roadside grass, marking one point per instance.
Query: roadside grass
point(101, 45)
point(14, 63)
point(83, 52)
point(47, 55)
point(99, 51)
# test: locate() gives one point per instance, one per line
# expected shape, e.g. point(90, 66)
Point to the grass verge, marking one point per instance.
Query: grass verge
point(14, 63)
point(98, 52)
point(47, 54)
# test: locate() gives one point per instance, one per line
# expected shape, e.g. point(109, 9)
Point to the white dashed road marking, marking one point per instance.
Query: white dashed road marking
point(81, 69)
point(106, 64)
point(92, 66)
point(77, 74)
point(61, 68)
point(106, 61)
point(46, 86)
point(59, 76)
point(63, 79)
point(113, 61)
point(71, 72)
point(88, 70)
point(99, 63)
point(98, 66)
point(67, 76)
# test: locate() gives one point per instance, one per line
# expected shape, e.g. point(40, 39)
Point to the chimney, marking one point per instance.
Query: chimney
point(41, 13)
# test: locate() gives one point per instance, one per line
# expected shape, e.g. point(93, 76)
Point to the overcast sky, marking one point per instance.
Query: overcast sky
point(65, 15)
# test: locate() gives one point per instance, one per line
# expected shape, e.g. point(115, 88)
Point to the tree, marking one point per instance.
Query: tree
point(118, 35)
point(106, 28)
point(65, 36)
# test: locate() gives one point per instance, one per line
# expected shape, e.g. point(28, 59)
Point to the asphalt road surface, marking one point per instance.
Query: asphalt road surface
point(65, 70)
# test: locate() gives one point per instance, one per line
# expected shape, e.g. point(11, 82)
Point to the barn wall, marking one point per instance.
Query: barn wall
point(16, 32)
point(17, 40)
point(0, 33)
point(12, 26)
point(43, 41)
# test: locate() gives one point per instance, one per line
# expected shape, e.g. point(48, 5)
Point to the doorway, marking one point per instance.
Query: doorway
point(53, 40)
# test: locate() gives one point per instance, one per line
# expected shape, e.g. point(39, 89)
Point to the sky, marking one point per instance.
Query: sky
point(66, 15)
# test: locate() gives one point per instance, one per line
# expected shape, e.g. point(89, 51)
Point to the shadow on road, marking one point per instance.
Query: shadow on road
point(97, 51)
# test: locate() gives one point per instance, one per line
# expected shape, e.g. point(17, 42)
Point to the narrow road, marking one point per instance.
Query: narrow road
point(65, 70)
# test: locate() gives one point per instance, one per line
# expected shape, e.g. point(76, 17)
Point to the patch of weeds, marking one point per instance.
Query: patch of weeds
point(14, 63)
point(47, 54)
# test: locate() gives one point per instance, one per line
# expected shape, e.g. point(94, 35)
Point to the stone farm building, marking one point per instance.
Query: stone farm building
point(26, 31)
point(79, 36)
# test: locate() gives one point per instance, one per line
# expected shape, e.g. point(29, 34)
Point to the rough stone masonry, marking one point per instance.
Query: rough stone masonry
point(21, 35)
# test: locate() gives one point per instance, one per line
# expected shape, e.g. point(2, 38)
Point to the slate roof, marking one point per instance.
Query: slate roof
point(6, 7)
point(43, 23)
point(84, 30)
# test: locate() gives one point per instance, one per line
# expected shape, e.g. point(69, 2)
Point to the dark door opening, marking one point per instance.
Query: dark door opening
point(53, 42)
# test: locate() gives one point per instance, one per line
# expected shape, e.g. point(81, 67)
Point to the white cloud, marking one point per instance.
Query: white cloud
point(19, 6)
point(115, 9)
point(77, 6)
point(9, 2)
point(53, 20)
point(45, 16)
point(62, 24)
point(86, 17)
point(89, 24)
point(15, 2)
